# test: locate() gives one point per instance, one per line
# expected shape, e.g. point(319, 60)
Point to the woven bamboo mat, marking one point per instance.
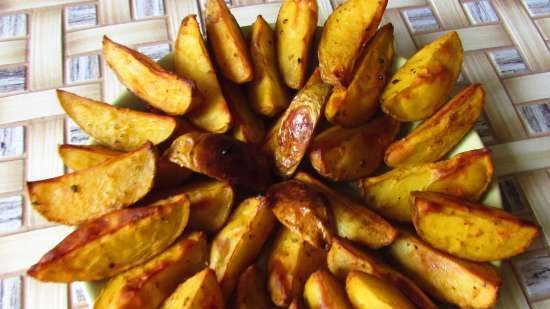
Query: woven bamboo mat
point(46, 44)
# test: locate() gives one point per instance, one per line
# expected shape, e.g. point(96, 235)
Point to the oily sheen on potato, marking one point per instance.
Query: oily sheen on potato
point(202, 291)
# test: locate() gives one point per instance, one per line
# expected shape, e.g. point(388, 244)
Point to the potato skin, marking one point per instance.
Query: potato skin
point(348, 28)
point(460, 282)
point(322, 290)
point(191, 60)
point(291, 261)
point(354, 105)
point(369, 292)
point(113, 243)
point(251, 291)
point(422, 85)
point(465, 175)
point(267, 93)
point(353, 221)
point(470, 230)
point(228, 44)
point(436, 136)
point(201, 291)
point(295, 30)
point(163, 90)
point(344, 154)
point(85, 195)
point(147, 285)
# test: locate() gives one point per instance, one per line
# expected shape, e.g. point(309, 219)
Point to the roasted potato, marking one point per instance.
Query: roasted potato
point(353, 221)
point(267, 93)
point(163, 90)
point(343, 258)
point(191, 60)
point(247, 126)
point(295, 31)
point(322, 291)
point(354, 105)
point(343, 154)
point(201, 291)
point(302, 210)
point(288, 140)
point(116, 127)
point(465, 175)
point(422, 85)
point(369, 292)
point(237, 245)
point(463, 283)
point(221, 157)
point(470, 230)
point(88, 194)
point(251, 290)
point(290, 263)
point(113, 243)
point(436, 136)
point(228, 44)
point(146, 286)
point(347, 30)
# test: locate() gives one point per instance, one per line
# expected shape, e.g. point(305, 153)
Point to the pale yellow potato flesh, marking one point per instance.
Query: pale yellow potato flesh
point(202, 291)
point(251, 290)
point(322, 291)
point(369, 292)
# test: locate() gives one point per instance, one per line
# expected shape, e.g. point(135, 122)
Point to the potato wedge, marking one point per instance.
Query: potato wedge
point(88, 194)
point(113, 243)
point(295, 31)
point(466, 175)
point(347, 30)
point(422, 85)
point(288, 140)
point(228, 44)
point(201, 291)
point(343, 258)
point(146, 286)
point(436, 136)
point(470, 230)
point(251, 290)
point(290, 263)
point(353, 221)
point(343, 154)
point(322, 291)
point(191, 60)
point(116, 127)
point(369, 292)
point(237, 245)
point(163, 90)
point(267, 92)
point(247, 126)
point(356, 104)
point(221, 157)
point(460, 282)
point(302, 210)
point(297, 304)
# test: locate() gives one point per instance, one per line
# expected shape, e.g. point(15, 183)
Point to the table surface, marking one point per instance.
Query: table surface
point(47, 44)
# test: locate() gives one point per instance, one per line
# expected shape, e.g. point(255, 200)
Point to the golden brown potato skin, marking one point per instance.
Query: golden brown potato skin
point(85, 195)
point(460, 282)
point(353, 221)
point(344, 154)
point(228, 44)
point(422, 85)
point(147, 285)
point(290, 263)
point(221, 157)
point(267, 93)
point(191, 60)
point(295, 30)
point(466, 175)
point(113, 243)
point(289, 138)
point(369, 292)
point(201, 291)
point(355, 105)
point(436, 136)
point(350, 26)
point(322, 291)
point(470, 230)
point(251, 290)
point(302, 210)
point(163, 90)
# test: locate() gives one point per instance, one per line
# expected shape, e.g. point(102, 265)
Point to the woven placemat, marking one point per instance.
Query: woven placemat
point(47, 44)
